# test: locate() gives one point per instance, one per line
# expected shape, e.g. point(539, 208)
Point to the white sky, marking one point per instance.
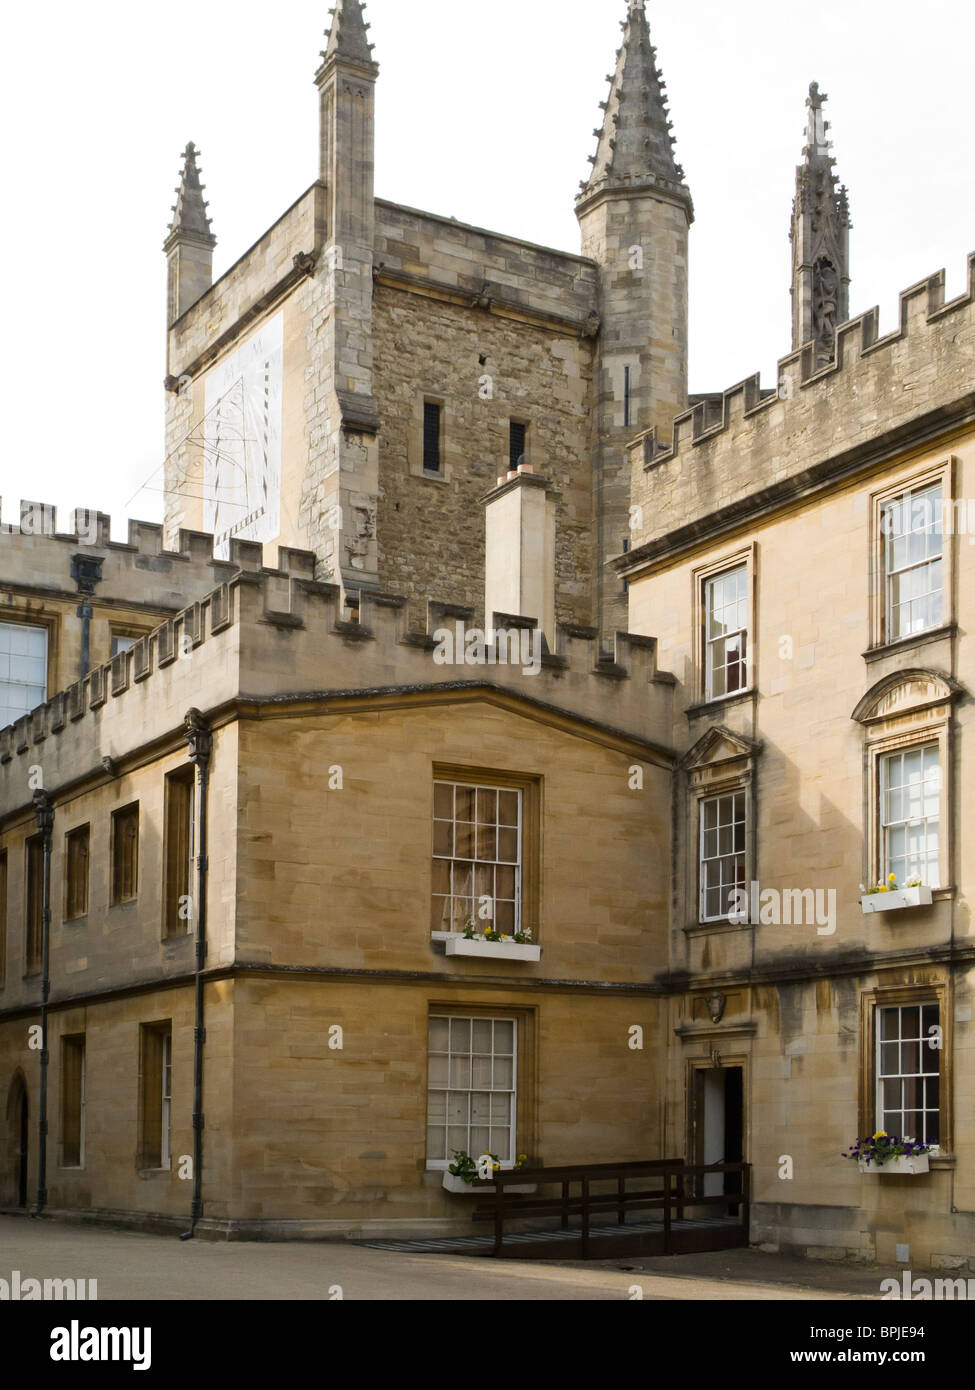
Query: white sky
point(485, 113)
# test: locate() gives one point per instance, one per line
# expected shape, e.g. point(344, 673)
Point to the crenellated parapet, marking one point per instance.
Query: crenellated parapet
point(750, 450)
point(38, 554)
point(278, 637)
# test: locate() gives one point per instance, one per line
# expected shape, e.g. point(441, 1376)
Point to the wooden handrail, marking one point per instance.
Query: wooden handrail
point(673, 1195)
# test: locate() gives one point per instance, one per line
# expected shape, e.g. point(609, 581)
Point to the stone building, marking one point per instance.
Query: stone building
point(464, 612)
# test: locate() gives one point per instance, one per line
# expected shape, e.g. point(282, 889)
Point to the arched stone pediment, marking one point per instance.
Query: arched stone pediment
point(906, 692)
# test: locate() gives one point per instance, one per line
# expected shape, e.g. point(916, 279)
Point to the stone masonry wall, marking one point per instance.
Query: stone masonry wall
point(431, 530)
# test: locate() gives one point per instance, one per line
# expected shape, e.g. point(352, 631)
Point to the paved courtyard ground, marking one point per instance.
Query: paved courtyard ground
point(129, 1265)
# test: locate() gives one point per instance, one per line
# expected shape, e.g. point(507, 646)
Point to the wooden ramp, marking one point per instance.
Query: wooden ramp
point(602, 1211)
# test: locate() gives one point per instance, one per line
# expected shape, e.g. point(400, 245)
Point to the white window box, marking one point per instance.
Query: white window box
point(455, 1184)
point(455, 945)
point(902, 1165)
point(902, 897)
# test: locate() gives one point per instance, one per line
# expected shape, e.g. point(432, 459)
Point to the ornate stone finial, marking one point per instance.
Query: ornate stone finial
point(347, 36)
point(190, 211)
point(820, 241)
point(635, 144)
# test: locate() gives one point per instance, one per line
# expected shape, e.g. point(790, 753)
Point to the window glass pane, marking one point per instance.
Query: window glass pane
point(443, 837)
point(508, 846)
point(23, 670)
point(460, 1035)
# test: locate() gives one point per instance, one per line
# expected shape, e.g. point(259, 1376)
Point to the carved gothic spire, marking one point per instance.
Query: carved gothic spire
point(820, 240)
point(347, 36)
point(635, 146)
point(189, 214)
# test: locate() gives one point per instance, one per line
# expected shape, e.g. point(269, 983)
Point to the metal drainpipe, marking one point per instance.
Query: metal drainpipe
point(44, 813)
point(200, 742)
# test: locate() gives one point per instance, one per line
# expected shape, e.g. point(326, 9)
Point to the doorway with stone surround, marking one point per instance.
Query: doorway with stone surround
point(716, 1116)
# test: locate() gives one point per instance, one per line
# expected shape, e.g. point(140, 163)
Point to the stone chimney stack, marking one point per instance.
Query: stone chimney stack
point(519, 562)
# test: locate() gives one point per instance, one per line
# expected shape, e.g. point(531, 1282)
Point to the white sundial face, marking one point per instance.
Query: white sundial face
point(242, 441)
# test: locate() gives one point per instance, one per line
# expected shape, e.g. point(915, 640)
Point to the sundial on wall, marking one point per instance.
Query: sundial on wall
point(242, 441)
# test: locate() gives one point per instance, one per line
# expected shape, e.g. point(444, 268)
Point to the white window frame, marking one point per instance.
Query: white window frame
point(709, 644)
point(880, 1076)
point(480, 924)
point(442, 1164)
point(7, 684)
point(732, 794)
point(883, 786)
point(913, 498)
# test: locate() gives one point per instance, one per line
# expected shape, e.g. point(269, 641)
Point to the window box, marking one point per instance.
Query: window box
point(454, 1184)
point(900, 897)
point(900, 1165)
point(496, 950)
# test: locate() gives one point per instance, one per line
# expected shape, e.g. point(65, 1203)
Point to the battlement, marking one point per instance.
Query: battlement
point(36, 556)
point(272, 636)
point(743, 449)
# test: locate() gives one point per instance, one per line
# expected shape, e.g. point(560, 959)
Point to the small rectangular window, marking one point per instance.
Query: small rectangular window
point(722, 865)
point(156, 1094)
point(726, 636)
point(76, 853)
point(121, 643)
point(913, 545)
point(35, 902)
point(910, 815)
point(73, 1102)
point(180, 800)
point(432, 414)
point(909, 1072)
point(125, 854)
point(472, 1090)
point(517, 443)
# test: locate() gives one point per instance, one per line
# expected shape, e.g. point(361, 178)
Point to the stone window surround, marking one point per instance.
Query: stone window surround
point(414, 447)
point(530, 787)
point(526, 1080)
point(733, 773)
point(882, 996)
point(943, 473)
point(745, 555)
point(51, 624)
point(115, 830)
point(66, 875)
point(911, 727)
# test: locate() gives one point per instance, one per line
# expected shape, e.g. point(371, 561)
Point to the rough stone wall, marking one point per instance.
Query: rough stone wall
point(431, 530)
